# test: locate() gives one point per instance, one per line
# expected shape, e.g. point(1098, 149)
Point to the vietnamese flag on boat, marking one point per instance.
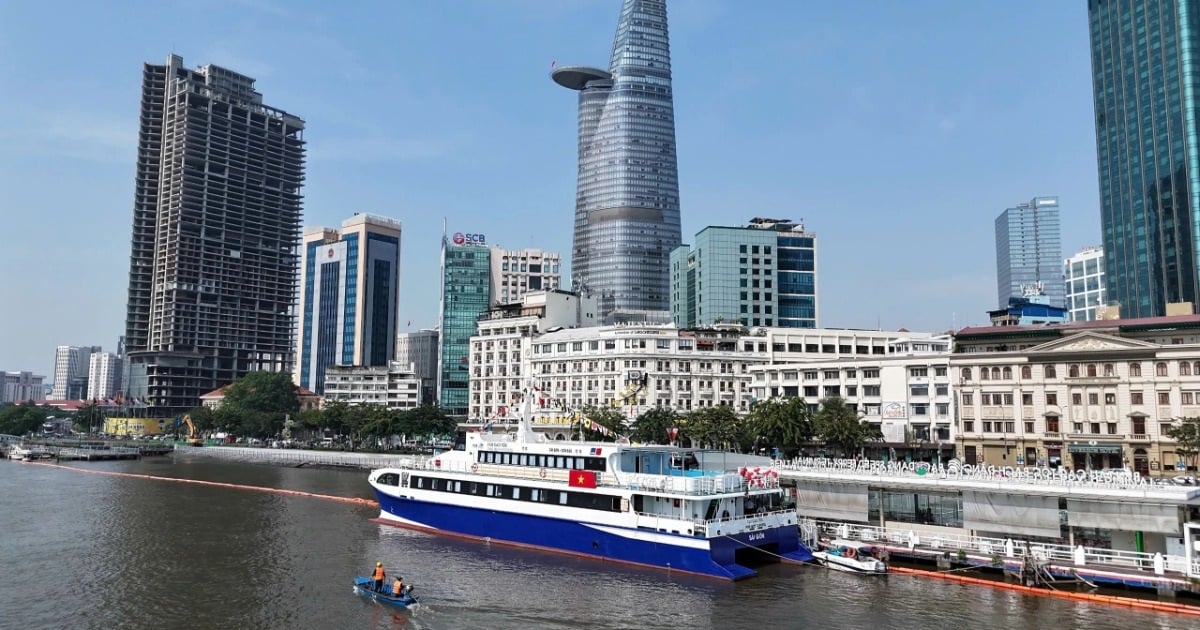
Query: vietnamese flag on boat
point(583, 479)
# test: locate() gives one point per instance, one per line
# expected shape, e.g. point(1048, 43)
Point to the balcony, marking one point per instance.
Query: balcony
point(1101, 437)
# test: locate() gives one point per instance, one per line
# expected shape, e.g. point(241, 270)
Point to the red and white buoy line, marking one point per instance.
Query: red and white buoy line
point(217, 484)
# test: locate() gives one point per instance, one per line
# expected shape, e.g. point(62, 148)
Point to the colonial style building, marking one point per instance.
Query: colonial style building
point(906, 392)
point(1084, 395)
point(638, 367)
point(394, 385)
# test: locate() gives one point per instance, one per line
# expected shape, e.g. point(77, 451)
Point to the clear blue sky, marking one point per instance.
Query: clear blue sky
point(896, 130)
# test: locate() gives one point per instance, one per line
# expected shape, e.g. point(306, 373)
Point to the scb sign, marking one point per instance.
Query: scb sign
point(469, 239)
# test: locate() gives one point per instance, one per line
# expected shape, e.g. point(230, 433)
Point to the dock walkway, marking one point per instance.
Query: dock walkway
point(1129, 568)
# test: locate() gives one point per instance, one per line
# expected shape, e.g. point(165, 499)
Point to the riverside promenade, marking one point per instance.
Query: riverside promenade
point(300, 457)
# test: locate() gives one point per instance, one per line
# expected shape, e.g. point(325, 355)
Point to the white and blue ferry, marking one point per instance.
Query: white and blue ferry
point(662, 506)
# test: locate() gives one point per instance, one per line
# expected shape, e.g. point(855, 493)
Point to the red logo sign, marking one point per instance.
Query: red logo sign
point(459, 239)
point(331, 252)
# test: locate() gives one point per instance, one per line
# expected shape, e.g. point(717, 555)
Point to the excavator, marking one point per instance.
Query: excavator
point(192, 438)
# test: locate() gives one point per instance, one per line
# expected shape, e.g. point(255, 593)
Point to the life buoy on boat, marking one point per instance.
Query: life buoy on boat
point(850, 553)
point(542, 473)
point(474, 467)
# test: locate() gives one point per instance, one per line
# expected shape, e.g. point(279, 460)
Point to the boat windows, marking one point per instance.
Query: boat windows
point(586, 500)
point(389, 479)
point(598, 464)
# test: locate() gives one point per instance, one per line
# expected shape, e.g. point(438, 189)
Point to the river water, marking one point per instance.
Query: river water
point(82, 550)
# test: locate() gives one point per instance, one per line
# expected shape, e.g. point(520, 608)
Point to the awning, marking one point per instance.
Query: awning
point(1125, 516)
point(832, 501)
point(1114, 449)
point(1011, 514)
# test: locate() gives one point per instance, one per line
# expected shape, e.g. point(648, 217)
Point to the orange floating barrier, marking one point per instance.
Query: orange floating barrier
point(217, 484)
point(1112, 600)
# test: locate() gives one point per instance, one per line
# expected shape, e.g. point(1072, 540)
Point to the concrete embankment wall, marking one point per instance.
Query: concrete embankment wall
point(297, 457)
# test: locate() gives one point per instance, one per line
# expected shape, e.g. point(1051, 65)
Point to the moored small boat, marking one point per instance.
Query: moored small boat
point(366, 586)
point(851, 557)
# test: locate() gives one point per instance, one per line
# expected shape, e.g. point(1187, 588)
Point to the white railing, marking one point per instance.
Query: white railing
point(1009, 548)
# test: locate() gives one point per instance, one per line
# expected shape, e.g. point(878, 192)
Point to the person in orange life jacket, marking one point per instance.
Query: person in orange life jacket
point(378, 576)
point(398, 587)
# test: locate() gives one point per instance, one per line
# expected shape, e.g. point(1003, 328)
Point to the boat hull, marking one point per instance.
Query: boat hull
point(364, 586)
point(713, 557)
point(847, 565)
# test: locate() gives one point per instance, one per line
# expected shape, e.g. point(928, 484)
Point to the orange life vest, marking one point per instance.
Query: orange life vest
point(397, 587)
point(378, 573)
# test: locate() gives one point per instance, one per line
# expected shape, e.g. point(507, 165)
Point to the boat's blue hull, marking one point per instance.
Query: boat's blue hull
point(715, 557)
point(365, 586)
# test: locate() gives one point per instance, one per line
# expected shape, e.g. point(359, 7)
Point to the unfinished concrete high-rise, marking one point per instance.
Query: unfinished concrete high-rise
point(216, 231)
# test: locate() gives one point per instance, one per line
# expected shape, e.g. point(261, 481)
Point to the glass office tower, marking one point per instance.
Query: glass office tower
point(1029, 252)
point(466, 283)
point(764, 274)
point(1145, 89)
point(627, 200)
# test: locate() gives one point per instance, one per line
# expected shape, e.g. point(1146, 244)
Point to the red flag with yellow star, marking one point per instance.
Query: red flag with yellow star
point(583, 479)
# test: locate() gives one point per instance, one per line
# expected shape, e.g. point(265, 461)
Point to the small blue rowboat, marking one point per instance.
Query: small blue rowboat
point(366, 586)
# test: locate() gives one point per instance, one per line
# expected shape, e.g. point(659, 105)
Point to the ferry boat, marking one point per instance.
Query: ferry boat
point(669, 507)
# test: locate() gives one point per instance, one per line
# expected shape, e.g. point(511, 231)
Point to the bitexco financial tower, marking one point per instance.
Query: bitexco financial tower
point(627, 201)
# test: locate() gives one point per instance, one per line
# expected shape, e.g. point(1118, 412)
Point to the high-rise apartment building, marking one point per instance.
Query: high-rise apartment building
point(349, 297)
point(216, 225)
point(516, 272)
point(71, 372)
point(466, 284)
point(105, 371)
point(419, 350)
point(1084, 277)
point(1147, 104)
point(627, 201)
point(1029, 252)
point(764, 274)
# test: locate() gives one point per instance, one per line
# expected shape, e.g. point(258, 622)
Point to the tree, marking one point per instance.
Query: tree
point(89, 417)
point(22, 419)
point(428, 420)
point(258, 403)
point(717, 426)
point(786, 424)
point(840, 426)
point(611, 418)
point(652, 427)
point(1187, 439)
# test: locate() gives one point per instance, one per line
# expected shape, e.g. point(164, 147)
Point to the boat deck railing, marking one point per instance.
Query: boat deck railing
point(727, 483)
point(702, 528)
point(1157, 563)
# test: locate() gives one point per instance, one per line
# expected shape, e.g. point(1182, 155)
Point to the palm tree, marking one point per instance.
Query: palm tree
point(785, 424)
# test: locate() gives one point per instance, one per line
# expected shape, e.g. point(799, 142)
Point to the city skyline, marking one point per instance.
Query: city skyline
point(868, 100)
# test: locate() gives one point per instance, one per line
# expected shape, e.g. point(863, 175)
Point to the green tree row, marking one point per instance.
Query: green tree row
point(785, 424)
point(265, 405)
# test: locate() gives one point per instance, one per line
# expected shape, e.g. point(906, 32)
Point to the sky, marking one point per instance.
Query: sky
point(897, 131)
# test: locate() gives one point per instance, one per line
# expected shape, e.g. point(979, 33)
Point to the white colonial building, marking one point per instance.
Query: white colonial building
point(906, 391)
point(1084, 395)
point(638, 367)
point(393, 386)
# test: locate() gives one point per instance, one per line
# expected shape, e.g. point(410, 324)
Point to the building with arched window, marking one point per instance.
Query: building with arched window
point(1081, 395)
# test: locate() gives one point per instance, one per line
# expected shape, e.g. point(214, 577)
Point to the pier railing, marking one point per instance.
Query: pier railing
point(936, 543)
